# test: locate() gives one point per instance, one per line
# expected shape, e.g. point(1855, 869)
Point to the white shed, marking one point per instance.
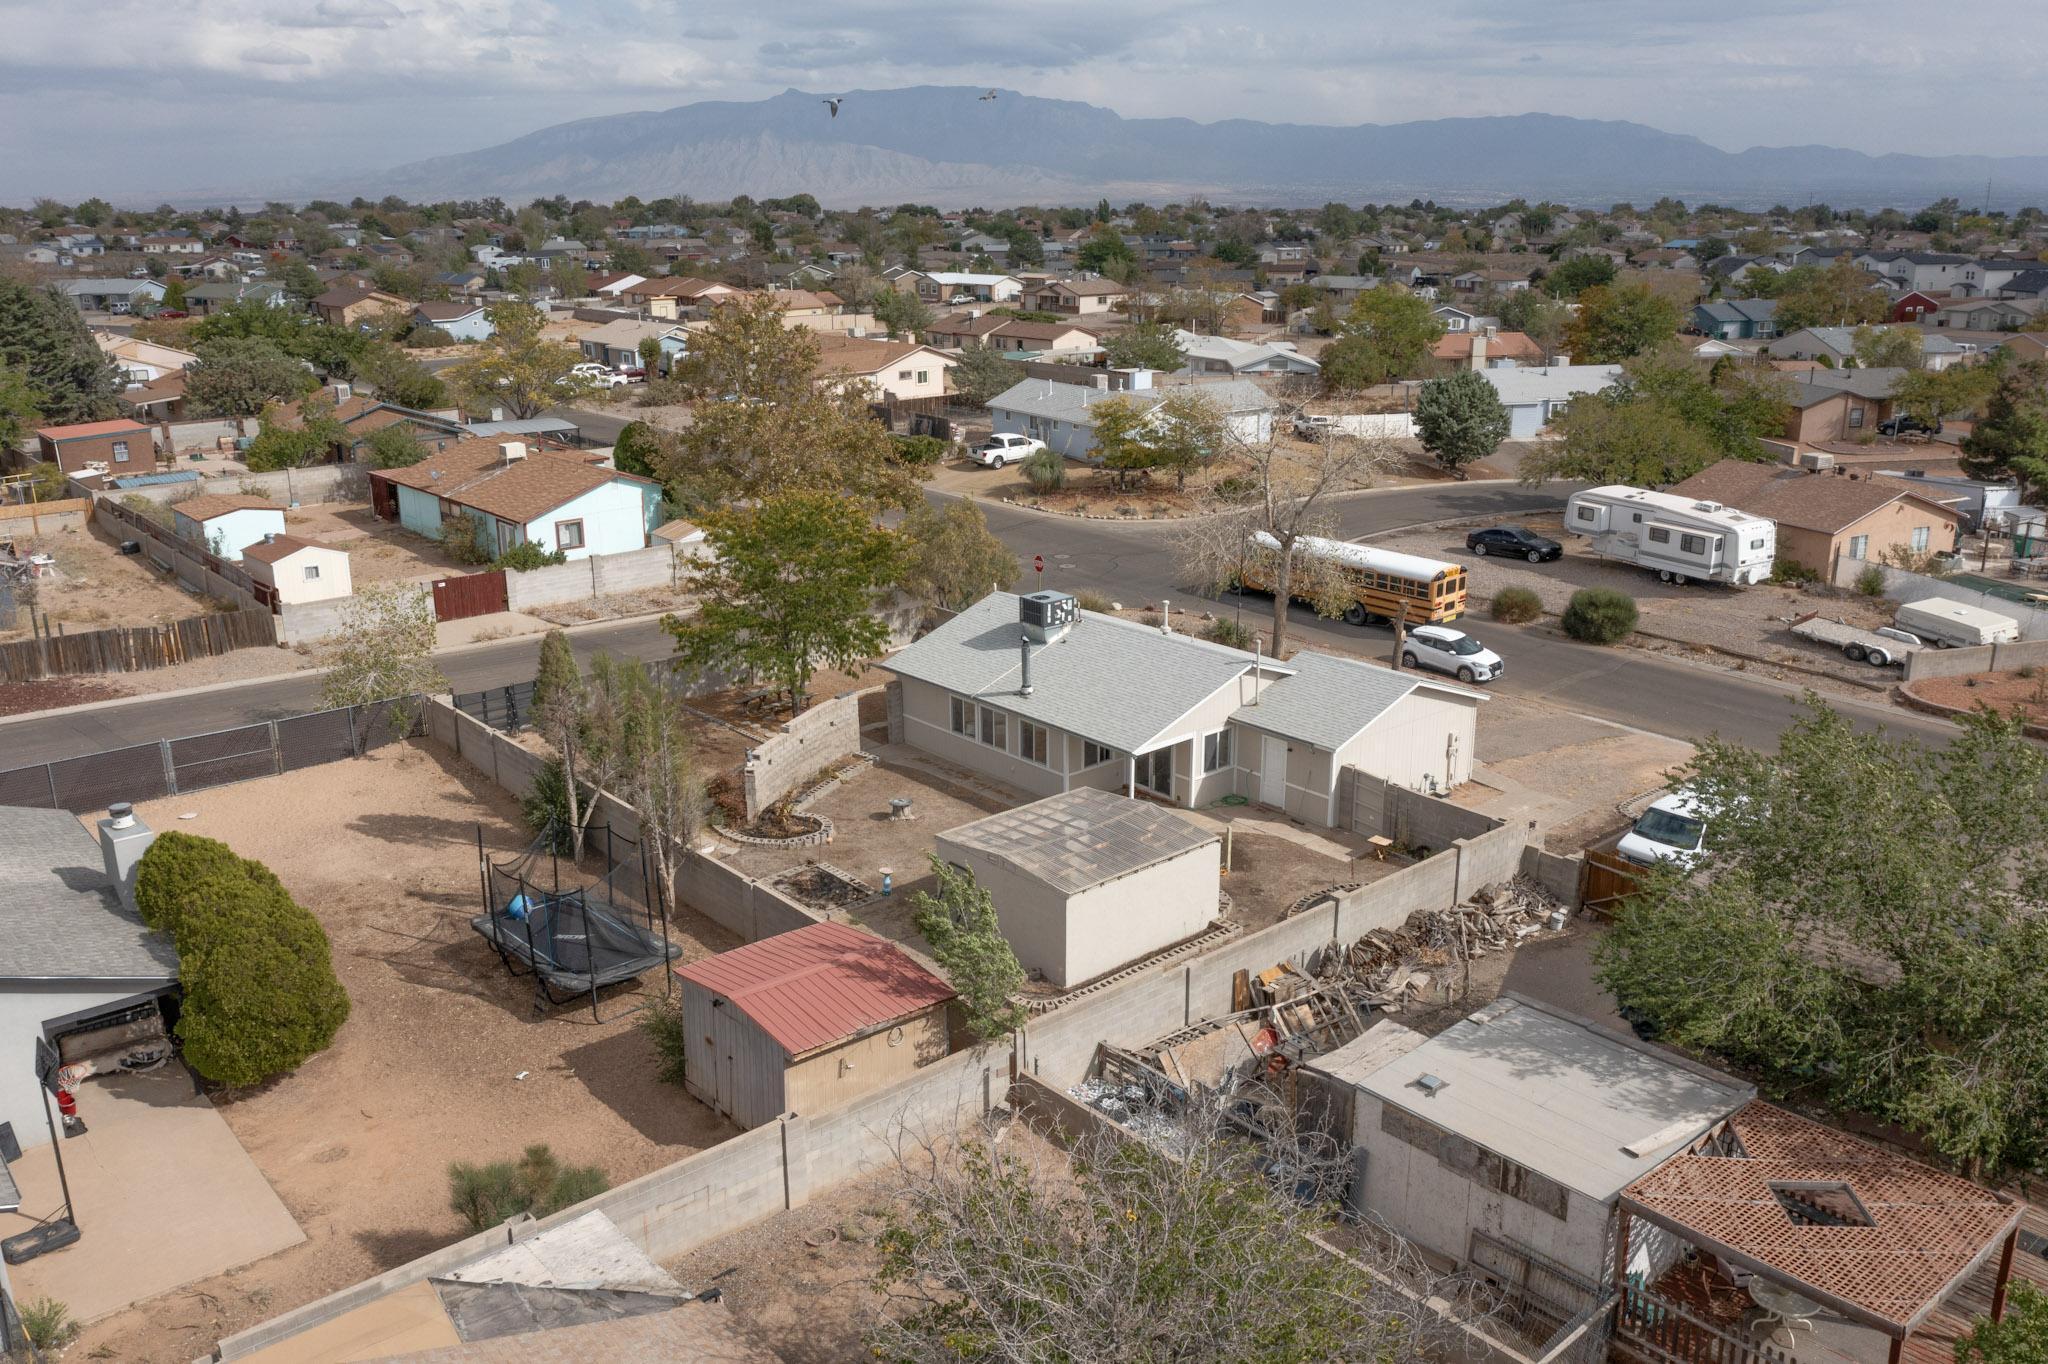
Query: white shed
point(227, 523)
point(1089, 881)
point(298, 571)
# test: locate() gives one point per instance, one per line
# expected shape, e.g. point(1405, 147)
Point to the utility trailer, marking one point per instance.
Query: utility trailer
point(1880, 648)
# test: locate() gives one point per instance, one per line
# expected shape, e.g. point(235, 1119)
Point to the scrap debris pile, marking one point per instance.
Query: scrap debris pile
point(1288, 1015)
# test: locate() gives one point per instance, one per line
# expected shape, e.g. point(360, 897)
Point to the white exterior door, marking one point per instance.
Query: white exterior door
point(1273, 772)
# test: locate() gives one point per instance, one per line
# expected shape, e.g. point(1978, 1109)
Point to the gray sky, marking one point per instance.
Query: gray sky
point(131, 97)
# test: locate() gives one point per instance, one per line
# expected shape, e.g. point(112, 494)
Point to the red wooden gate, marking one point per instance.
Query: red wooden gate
point(476, 594)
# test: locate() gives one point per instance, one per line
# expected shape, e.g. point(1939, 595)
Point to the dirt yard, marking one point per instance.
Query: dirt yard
point(378, 551)
point(2011, 693)
point(442, 1058)
point(97, 586)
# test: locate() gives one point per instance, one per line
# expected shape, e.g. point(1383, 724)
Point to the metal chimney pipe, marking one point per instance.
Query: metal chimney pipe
point(1165, 616)
point(1024, 649)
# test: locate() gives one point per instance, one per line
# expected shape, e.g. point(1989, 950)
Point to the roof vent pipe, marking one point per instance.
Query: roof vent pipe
point(1024, 649)
point(1165, 616)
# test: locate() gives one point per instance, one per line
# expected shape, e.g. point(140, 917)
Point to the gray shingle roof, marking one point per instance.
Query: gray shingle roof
point(1741, 309)
point(1114, 681)
point(1327, 701)
point(60, 918)
point(1876, 382)
point(1082, 838)
point(1070, 403)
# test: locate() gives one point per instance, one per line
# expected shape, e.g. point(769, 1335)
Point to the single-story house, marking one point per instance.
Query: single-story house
point(1222, 355)
point(205, 299)
point(941, 287)
point(348, 306)
point(1088, 881)
point(1456, 319)
point(227, 523)
point(1535, 394)
point(1488, 349)
point(1075, 297)
point(1519, 1126)
point(1097, 701)
point(463, 321)
point(125, 447)
point(76, 961)
point(805, 1021)
point(1825, 517)
point(616, 344)
point(888, 369)
point(292, 571)
point(1060, 413)
point(1838, 344)
point(1737, 319)
point(141, 361)
point(1343, 290)
point(1493, 281)
point(159, 399)
point(113, 295)
point(666, 297)
point(1012, 335)
point(1839, 404)
point(360, 414)
point(557, 499)
point(1984, 314)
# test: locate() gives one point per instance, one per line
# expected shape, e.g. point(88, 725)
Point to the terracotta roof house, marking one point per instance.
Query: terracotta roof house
point(362, 414)
point(513, 492)
point(1481, 350)
point(898, 370)
point(806, 1021)
point(960, 330)
point(1826, 517)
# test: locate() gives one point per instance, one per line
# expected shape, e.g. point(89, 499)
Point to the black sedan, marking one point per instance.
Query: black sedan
point(1515, 542)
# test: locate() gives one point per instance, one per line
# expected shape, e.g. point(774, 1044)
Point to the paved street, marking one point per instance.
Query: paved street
point(1131, 563)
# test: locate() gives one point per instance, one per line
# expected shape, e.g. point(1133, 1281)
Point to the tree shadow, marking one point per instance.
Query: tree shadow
point(389, 1249)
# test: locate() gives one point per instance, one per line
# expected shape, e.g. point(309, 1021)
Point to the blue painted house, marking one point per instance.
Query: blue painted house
point(1737, 319)
point(521, 493)
point(463, 321)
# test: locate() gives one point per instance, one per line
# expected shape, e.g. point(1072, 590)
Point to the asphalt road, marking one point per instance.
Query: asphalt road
point(1130, 562)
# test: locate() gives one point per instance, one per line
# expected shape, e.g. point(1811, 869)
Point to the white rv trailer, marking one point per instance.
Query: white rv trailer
point(1682, 539)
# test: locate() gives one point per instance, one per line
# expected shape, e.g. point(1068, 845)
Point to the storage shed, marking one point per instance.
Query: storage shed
point(227, 523)
point(1089, 881)
point(805, 1021)
point(295, 571)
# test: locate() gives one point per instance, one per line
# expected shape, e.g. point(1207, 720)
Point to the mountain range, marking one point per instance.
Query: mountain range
point(951, 147)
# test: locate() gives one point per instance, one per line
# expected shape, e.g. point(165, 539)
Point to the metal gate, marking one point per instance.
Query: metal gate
point(1606, 880)
point(476, 594)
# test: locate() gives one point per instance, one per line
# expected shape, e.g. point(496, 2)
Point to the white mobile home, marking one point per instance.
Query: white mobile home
point(1681, 538)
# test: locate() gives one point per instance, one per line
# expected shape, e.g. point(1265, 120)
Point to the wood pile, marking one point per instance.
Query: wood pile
point(1422, 960)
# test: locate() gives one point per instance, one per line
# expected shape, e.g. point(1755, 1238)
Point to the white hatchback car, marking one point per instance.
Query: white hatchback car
point(1005, 448)
point(1451, 651)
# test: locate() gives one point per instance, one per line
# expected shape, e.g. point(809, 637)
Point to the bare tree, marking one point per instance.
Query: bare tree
point(1258, 534)
point(1204, 1239)
point(663, 780)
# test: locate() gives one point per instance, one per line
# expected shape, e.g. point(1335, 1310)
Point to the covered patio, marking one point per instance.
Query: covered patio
point(1776, 1240)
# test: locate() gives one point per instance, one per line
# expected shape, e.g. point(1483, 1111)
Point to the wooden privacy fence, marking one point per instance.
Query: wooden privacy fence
point(136, 649)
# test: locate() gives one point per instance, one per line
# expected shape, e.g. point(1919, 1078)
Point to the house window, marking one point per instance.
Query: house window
point(568, 535)
point(1855, 417)
point(311, 572)
point(1032, 745)
point(1859, 546)
point(1692, 544)
point(1921, 536)
point(120, 452)
point(924, 376)
point(1095, 755)
point(1155, 771)
point(1659, 536)
point(963, 717)
point(995, 728)
point(1216, 751)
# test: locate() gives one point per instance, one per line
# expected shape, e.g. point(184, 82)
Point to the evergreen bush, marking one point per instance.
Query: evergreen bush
point(261, 995)
point(1599, 615)
point(1514, 605)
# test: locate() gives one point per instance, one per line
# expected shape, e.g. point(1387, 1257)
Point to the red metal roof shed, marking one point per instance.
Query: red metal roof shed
point(818, 985)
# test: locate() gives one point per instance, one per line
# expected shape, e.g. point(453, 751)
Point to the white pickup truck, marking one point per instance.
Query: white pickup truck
point(1880, 648)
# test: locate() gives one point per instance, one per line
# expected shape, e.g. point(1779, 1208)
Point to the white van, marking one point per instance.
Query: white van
point(1951, 625)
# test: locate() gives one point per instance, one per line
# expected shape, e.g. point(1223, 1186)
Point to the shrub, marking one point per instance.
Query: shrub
point(469, 541)
point(1094, 601)
point(1046, 471)
point(1599, 615)
point(486, 1195)
point(546, 806)
point(528, 555)
point(177, 866)
point(919, 452)
point(663, 1024)
point(1792, 573)
point(47, 1323)
point(1234, 633)
point(1514, 605)
point(429, 336)
point(260, 990)
point(1870, 582)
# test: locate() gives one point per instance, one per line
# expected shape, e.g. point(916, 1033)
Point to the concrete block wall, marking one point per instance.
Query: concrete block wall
point(892, 695)
point(1991, 658)
point(808, 743)
point(44, 518)
point(1556, 874)
point(599, 575)
point(482, 747)
point(1490, 858)
point(1421, 821)
point(310, 622)
point(1901, 586)
point(322, 483)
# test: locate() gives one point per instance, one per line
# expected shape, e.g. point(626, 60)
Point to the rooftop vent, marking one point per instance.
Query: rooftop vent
point(1430, 1084)
point(1046, 616)
point(512, 450)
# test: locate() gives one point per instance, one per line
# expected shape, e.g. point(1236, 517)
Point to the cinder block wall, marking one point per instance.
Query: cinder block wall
point(810, 742)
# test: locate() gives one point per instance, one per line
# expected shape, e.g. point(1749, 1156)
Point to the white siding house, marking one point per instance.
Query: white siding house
point(299, 571)
point(227, 523)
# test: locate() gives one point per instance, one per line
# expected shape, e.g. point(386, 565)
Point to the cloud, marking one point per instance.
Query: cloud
point(718, 33)
point(345, 14)
point(1531, 57)
point(275, 54)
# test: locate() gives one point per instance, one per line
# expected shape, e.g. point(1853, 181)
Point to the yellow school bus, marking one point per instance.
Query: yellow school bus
point(1384, 583)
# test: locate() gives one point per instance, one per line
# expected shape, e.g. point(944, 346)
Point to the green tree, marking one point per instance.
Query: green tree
point(793, 584)
point(1618, 321)
point(637, 450)
point(2021, 1338)
point(301, 285)
point(1149, 345)
point(330, 350)
point(19, 413)
point(1569, 279)
point(1837, 295)
point(519, 368)
point(1930, 395)
point(174, 293)
point(43, 339)
point(2011, 440)
point(982, 373)
point(398, 378)
point(1460, 419)
point(1184, 431)
point(1664, 420)
point(1122, 441)
point(393, 447)
point(384, 651)
point(1385, 336)
point(1863, 930)
point(951, 558)
point(240, 376)
point(1105, 253)
point(902, 312)
point(959, 922)
point(558, 685)
point(1537, 316)
point(1888, 347)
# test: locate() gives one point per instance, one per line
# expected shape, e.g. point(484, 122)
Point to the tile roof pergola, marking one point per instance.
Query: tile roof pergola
point(1880, 1239)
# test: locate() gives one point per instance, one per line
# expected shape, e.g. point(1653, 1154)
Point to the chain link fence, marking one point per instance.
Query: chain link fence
point(505, 708)
point(195, 762)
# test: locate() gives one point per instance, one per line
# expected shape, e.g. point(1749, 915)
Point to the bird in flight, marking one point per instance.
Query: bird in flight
point(990, 95)
point(833, 105)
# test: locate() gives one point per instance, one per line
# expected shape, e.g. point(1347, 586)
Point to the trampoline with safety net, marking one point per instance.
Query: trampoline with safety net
point(575, 940)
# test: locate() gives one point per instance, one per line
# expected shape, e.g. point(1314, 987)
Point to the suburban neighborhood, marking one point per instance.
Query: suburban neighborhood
point(1401, 772)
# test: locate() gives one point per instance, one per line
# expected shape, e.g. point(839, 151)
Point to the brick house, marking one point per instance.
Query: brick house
point(125, 447)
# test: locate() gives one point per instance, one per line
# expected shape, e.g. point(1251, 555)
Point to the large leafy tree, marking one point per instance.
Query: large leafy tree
point(1929, 395)
point(1616, 322)
point(959, 921)
point(1571, 278)
point(1460, 419)
point(519, 368)
point(240, 376)
point(983, 373)
point(1888, 347)
point(331, 350)
point(2020, 1338)
point(1149, 345)
point(1664, 420)
point(65, 375)
point(765, 423)
point(793, 584)
point(951, 558)
point(397, 377)
point(1385, 336)
point(902, 312)
point(1106, 253)
point(1838, 295)
point(1864, 930)
point(2011, 440)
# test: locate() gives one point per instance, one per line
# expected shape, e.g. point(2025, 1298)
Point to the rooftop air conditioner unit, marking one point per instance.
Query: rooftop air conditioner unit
point(1046, 616)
